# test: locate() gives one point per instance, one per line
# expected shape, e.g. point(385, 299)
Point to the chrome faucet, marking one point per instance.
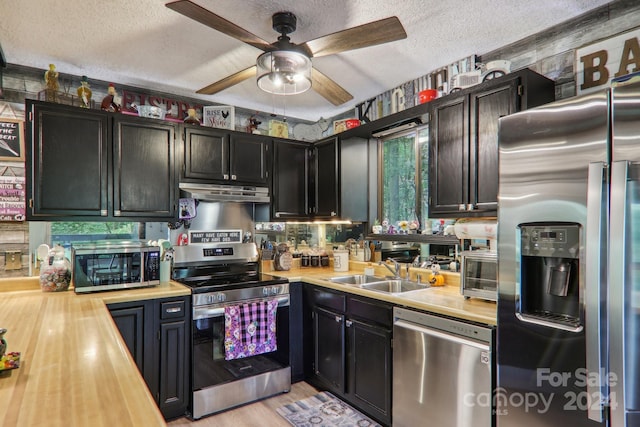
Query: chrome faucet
point(396, 267)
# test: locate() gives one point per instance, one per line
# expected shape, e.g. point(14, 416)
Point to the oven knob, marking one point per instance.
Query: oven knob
point(275, 290)
point(222, 297)
point(265, 291)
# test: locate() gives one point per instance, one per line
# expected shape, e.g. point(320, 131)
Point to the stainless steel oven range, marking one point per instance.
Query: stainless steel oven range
point(226, 283)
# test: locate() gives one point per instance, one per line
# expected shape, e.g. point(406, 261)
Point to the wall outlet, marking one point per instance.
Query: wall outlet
point(13, 260)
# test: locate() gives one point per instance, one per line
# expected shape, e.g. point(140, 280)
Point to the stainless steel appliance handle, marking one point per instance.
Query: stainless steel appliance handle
point(217, 310)
point(617, 270)
point(442, 335)
point(593, 282)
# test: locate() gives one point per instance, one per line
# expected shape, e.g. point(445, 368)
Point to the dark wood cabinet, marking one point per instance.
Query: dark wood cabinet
point(463, 158)
point(290, 186)
point(350, 353)
point(249, 158)
point(156, 333)
point(329, 345)
point(92, 165)
point(144, 168)
point(370, 367)
point(325, 179)
point(67, 162)
point(218, 156)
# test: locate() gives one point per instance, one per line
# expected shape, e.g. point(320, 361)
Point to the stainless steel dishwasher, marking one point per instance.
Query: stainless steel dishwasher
point(442, 371)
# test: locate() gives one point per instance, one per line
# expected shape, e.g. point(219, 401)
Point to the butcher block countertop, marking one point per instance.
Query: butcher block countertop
point(445, 300)
point(75, 369)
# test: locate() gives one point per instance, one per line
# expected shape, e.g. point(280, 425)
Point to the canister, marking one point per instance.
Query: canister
point(341, 260)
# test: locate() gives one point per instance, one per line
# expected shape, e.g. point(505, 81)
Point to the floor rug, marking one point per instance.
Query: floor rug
point(323, 410)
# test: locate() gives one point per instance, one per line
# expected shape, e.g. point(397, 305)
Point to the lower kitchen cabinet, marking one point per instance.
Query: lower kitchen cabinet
point(156, 333)
point(350, 349)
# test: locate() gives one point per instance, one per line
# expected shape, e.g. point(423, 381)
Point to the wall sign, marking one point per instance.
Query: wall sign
point(598, 63)
point(11, 140)
point(12, 198)
point(216, 236)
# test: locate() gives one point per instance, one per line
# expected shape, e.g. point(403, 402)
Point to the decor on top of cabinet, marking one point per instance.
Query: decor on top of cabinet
point(192, 118)
point(219, 116)
point(490, 70)
point(51, 84)
point(112, 101)
point(313, 132)
point(377, 227)
point(84, 93)
point(252, 127)
point(149, 111)
point(345, 124)
point(279, 129)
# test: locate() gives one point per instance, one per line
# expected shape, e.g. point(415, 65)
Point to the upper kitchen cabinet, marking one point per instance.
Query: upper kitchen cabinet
point(463, 157)
point(91, 165)
point(339, 179)
point(223, 157)
point(290, 186)
point(67, 162)
point(325, 179)
point(144, 159)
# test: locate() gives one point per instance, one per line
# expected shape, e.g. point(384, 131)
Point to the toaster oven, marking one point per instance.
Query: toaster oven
point(479, 274)
point(110, 265)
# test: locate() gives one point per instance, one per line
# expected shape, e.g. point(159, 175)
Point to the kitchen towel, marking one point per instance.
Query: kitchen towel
point(250, 329)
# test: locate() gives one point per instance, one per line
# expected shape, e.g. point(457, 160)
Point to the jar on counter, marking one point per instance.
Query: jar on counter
point(55, 271)
point(305, 260)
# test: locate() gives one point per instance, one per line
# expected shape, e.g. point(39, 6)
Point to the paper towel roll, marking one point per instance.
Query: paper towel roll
point(469, 228)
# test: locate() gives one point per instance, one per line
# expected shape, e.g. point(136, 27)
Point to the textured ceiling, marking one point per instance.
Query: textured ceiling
point(143, 43)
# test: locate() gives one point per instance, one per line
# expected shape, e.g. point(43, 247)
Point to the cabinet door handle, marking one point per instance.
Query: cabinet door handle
point(462, 207)
point(333, 214)
point(338, 319)
point(233, 177)
point(348, 323)
point(225, 176)
point(174, 310)
point(471, 207)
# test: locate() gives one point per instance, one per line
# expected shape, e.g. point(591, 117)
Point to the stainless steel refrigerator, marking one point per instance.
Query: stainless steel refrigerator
point(569, 263)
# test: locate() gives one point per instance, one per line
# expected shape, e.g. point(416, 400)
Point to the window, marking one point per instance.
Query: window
point(66, 233)
point(404, 181)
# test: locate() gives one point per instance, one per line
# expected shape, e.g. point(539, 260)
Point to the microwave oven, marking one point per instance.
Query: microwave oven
point(479, 274)
point(110, 265)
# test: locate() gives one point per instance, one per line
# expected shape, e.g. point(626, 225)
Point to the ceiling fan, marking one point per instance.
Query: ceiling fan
point(285, 68)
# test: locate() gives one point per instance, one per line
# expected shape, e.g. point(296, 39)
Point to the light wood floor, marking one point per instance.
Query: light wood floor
point(262, 413)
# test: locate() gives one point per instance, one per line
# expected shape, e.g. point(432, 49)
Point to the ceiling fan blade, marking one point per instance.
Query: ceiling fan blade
point(377, 32)
point(328, 89)
point(210, 19)
point(229, 81)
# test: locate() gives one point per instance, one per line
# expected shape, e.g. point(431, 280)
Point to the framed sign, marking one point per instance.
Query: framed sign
point(12, 198)
point(11, 140)
point(219, 116)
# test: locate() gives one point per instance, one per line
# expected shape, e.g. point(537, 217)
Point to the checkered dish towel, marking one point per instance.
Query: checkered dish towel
point(250, 329)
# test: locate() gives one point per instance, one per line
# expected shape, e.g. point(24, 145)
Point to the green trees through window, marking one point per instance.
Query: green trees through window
point(405, 180)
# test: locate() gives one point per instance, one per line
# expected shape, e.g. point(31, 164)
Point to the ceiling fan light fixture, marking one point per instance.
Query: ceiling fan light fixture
point(284, 72)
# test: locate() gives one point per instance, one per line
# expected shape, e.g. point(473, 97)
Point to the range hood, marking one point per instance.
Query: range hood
point(224, 193)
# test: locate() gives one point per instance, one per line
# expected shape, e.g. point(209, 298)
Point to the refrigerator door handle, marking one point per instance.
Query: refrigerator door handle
point(617, 279)
point(595, 276)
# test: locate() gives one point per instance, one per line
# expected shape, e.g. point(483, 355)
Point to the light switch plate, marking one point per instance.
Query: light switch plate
point(13, 260)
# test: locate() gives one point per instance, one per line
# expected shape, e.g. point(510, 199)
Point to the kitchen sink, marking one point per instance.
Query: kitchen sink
point(394, 286)
point(357, 279)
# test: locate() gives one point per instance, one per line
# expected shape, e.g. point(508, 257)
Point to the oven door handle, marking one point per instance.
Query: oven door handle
point(217, 310)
